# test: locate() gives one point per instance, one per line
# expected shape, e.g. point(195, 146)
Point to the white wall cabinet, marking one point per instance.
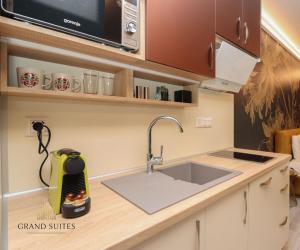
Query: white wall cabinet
point(253, 218)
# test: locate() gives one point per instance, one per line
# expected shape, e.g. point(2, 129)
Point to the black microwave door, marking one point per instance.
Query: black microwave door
point(98, 18)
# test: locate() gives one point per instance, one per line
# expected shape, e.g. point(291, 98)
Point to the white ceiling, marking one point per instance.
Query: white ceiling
point(286, 15)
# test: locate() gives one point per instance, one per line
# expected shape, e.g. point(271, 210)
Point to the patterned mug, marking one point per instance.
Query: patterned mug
point(65, 83)
point(33, 78)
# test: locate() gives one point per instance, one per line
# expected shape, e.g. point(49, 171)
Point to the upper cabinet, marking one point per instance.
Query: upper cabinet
point(239, 22)
point(181, 34)
point(229, 14)
point(251, 26)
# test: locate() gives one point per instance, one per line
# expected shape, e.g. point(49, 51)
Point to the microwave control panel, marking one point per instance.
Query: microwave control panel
point(130, 24)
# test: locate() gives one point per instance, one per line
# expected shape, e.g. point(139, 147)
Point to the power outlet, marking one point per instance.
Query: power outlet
point(30, 121)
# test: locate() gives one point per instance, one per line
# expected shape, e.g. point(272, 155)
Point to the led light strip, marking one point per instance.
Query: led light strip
point(273, 28)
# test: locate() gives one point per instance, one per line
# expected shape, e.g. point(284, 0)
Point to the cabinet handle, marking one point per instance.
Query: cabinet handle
point(238, 28)
point(211, 56)
point(246, 207)
point(266, 183)
point(284, 169)
point(284, 222)
point(284, 188)
point(198, 234)
point(246, 32)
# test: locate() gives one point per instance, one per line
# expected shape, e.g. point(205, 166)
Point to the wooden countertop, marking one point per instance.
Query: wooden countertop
point(113, 222)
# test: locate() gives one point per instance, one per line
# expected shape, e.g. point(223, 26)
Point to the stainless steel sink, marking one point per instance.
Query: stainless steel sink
point(165, 187)
point(199, 174)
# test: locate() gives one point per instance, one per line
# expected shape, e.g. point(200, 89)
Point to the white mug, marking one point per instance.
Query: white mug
point(32, 78)
point(65, 83)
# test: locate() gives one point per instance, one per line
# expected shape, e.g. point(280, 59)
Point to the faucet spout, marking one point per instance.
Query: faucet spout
point(151, 160)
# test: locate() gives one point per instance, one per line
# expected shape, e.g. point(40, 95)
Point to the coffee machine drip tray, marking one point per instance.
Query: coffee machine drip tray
point(241, 156)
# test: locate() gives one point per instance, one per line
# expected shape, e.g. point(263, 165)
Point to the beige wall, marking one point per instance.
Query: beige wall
point(112, 137)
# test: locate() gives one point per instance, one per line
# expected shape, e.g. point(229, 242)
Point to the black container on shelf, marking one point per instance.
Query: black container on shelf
point(183, 96)
point(164, 93)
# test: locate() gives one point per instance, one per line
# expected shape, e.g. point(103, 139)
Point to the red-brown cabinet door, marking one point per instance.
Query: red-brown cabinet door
point(251, 26)
point(229, 15)
point(181, 34)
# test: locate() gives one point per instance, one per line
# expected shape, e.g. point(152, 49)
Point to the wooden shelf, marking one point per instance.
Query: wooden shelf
point(34, 33)
point(37, 93)
point(124, 77)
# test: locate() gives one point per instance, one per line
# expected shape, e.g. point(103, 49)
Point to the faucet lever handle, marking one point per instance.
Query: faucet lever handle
point(161, 151)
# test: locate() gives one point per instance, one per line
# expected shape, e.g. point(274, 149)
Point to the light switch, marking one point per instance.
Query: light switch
point(204, 122)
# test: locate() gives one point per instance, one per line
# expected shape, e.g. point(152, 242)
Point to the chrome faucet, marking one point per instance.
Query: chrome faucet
point(154, 160)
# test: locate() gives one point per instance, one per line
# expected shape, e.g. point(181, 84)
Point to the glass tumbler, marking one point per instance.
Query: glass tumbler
point(90, 82)
point(108, 84)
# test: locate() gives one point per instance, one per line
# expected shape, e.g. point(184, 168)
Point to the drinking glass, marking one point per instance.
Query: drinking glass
point(90, 82)
point(108, 84)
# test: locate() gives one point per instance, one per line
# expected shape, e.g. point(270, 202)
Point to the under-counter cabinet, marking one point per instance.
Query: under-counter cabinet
point(253, 218)
point(226, 223)
point(240, 23)
point(181, 34)
point(187, 235)
point(269, 210)
point(222, 226)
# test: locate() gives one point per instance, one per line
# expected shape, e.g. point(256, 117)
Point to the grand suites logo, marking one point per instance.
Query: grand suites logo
point(49, 227)
point(46, 222)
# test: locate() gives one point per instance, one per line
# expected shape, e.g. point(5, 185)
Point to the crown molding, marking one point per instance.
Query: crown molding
point(275, 31)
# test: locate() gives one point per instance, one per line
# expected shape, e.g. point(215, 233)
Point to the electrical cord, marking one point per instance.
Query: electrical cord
point(38, 127)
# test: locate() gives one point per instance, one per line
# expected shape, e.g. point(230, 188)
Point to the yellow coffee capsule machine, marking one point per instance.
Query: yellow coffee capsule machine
point(68, 189)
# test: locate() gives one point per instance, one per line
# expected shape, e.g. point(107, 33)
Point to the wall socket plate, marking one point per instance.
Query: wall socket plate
point(204, 122)
point(29, 122)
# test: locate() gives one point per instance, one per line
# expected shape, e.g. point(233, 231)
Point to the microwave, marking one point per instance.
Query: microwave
point(111, 22)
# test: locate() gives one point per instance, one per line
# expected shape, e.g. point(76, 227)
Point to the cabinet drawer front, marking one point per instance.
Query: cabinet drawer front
point(283, 231)
point(282, 174)
point(279, 176)
point(283, 206)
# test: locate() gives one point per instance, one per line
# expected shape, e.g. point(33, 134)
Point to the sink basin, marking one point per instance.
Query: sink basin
point(199, 174)
point(165, 187)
